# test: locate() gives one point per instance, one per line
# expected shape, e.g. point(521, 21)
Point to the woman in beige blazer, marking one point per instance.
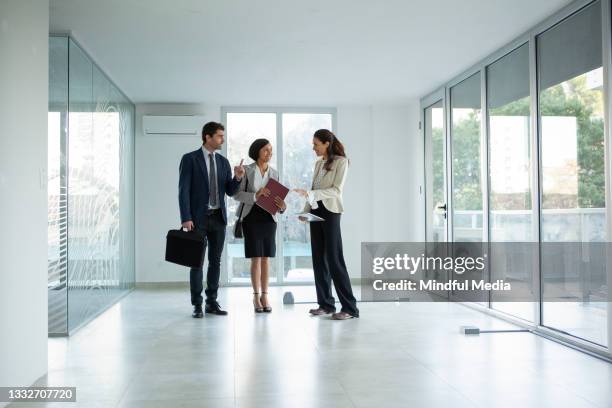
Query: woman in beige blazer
point(258, 226)
point(325, 201)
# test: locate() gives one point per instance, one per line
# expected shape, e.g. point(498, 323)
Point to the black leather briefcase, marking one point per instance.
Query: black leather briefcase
point(185, 247)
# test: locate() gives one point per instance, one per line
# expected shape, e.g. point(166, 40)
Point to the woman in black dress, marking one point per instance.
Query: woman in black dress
point(258, 225)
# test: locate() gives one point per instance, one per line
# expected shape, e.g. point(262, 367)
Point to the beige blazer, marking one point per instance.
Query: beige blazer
point(247, 198)
point(332, 183)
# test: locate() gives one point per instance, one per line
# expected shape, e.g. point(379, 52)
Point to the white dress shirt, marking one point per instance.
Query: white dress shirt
point(260, 181)
point(207, 160)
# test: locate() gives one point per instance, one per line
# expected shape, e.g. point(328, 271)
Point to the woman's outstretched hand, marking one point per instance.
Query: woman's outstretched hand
point(301, 192)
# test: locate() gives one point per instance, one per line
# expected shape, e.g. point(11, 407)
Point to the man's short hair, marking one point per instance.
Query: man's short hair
point(210, 129)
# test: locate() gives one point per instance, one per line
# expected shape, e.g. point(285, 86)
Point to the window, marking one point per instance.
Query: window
point(290, 133)
point(242, 129)
point(540, 178)
point(573, 171)
point(511, 217)
point(466, 158)
point(435, 170)
point(298, 166)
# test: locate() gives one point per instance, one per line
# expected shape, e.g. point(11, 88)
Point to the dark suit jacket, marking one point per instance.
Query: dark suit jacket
point(193, 186)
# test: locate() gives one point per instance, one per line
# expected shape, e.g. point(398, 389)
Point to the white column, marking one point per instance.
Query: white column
point(24, 60)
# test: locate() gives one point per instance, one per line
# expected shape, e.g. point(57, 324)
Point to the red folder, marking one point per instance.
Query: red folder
point(276, 189)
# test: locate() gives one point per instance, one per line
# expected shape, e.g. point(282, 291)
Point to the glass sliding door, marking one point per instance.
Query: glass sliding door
point(436, 209)
point(511, 214)
point(533, 176)
point(466, 160)
point(435, 173)
point(573, 209)
point(466, 165)
point(298, 165)
point(242, 129)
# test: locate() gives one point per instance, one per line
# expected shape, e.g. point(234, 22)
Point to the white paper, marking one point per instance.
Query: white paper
point(310, 217)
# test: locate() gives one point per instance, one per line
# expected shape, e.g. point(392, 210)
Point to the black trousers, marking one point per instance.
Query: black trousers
point(328, 262)
point(214, 228)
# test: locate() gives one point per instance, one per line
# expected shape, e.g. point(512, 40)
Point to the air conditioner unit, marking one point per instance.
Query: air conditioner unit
point(183, 125)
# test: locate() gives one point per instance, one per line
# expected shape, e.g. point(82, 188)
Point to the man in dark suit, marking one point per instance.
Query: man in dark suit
point(205, 178)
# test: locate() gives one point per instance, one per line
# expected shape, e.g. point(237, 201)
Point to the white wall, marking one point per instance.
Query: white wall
point(354, 131)
point(381, 194)
point(157, 170)
point(398, 174)
point(24, 56)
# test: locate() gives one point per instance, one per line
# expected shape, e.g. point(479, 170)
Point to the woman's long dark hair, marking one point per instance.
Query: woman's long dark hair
point(335, 148)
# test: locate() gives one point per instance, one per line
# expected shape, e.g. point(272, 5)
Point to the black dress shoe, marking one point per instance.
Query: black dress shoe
point(197, 312)
point(215, 308)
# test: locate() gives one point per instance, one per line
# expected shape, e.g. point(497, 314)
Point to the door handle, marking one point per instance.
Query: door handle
point(443, 208)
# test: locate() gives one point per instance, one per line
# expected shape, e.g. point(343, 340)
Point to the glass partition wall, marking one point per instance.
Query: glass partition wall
point(529, 161)
point(91, 189)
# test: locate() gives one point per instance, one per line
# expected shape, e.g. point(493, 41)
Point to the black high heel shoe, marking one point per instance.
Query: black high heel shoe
point(266, 309)
point(258, 309)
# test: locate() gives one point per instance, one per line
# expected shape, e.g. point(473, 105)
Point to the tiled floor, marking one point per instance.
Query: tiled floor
point(147, 351)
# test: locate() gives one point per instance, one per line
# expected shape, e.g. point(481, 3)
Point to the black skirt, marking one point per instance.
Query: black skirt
point(259, 231)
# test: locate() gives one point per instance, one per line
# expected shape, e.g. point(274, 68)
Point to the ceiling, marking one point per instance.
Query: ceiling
point(287, 52)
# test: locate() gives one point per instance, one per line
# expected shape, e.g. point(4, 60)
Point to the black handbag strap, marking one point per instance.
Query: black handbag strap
point(245, 190)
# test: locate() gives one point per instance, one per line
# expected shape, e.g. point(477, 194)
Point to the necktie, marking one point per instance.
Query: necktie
point(212, 182)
